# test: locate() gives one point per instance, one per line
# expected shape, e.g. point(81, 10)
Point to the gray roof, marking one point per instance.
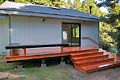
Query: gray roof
point(14, 8)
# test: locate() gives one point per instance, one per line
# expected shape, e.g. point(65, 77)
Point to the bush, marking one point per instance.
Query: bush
point(105, 46)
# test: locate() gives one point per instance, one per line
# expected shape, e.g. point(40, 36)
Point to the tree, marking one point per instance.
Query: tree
point(108, 3)
point(77, 5)
point(95, 9)
point(58, 3)
point(69, 4)
point(42, 2)
point(1, 1)
point(22, 1)
point(113, 20)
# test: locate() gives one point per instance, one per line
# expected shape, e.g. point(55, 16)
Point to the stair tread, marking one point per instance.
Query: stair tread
point(93, 56)
point(95, 63)
point(97, 66)
point(87, 53)
point(90, 61)
point(79, 53)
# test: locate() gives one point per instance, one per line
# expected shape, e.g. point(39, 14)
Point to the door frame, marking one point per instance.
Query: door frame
point(72, 33)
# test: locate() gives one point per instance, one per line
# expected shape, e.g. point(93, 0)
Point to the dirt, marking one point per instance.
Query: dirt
point(9, 75)
point(110, 74)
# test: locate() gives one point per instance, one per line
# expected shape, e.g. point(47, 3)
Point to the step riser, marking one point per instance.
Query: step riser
point(96, 62)
point(89, 58)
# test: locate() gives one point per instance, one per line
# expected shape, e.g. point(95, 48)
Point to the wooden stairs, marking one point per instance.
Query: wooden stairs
point(92, 60)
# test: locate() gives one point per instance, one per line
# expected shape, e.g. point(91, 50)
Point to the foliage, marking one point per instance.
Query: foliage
point(1, 1)
point(113, 19)
point(59, 3)
point(95, 9)
point(105, 46)
point(77, 5)
point(108, 3)
point(42, 2)
point(69, 4)
point(104, 29)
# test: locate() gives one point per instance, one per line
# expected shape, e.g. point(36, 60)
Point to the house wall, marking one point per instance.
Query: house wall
point(32, 30)
point(4, 34)
point(89, 29)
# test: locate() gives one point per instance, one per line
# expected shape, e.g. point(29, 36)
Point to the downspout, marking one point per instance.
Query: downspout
point(9, 29)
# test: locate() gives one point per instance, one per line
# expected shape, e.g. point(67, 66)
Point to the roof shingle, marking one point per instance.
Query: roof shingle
point(44, 11)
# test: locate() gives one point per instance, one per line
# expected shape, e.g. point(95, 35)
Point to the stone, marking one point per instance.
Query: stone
point(3, 75)
point(62, 64)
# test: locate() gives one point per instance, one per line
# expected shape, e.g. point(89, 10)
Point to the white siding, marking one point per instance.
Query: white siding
point(31, 30)
point(4, 34)
point(89, 29)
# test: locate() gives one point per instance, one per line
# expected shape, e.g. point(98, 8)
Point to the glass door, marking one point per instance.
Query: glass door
point(75, 35)
point(71, 34)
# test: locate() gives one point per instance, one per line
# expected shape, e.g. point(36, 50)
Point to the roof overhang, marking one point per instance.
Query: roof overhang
point(25, 13)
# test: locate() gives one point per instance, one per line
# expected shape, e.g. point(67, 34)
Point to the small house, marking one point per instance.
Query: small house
point(37, 24)
point(27, 26)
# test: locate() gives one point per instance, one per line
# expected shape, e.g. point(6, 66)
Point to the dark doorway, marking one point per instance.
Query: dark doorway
point(71, 34)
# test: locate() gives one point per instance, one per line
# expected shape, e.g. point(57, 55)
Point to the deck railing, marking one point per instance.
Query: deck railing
point(89, 38)
point(14, 49)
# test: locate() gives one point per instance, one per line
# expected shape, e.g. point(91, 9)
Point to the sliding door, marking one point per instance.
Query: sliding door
point(71, 34)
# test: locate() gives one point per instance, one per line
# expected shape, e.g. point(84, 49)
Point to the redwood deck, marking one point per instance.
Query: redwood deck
point(86, 59)
point(38, 53)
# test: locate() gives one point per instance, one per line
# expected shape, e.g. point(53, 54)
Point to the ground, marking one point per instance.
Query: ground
point(57, 72)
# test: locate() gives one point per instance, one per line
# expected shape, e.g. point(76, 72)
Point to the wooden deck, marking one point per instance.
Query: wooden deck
point(86, 59)
point(38, 53)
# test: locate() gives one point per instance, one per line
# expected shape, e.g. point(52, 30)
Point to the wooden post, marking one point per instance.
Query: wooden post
point(11, 52)
point(14, 52)
point(24, 51)
point(61, 49)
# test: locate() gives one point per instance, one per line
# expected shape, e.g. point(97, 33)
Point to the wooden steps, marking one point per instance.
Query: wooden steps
point(98, 58)
point(89, 57)
point(92, 60)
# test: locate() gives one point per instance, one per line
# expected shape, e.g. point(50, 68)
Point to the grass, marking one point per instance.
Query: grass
point(52, 72)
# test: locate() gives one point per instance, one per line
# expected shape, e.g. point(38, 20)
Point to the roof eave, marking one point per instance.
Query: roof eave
point(48, 15)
